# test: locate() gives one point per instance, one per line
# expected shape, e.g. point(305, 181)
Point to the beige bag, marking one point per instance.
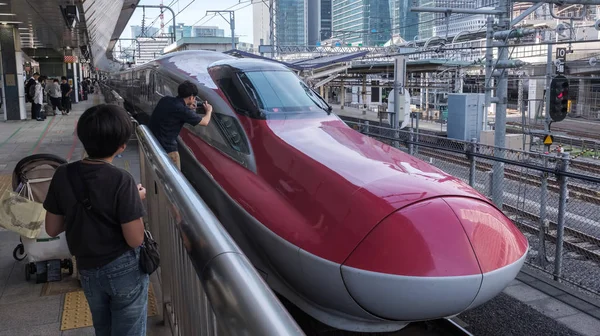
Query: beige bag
point(20, 214)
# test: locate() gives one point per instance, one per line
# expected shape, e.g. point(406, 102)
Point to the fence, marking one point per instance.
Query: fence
point(208, 285)
point(553, 199)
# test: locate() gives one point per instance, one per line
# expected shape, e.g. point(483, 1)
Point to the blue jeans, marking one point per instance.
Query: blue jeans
point(118, 296)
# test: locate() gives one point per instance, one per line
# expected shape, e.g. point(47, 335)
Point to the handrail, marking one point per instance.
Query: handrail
point(242, 302)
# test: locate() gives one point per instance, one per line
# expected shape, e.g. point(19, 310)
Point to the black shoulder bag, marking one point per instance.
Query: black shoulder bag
point(149, 254)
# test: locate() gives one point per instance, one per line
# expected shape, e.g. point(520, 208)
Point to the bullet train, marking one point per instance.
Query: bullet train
point(357, 234)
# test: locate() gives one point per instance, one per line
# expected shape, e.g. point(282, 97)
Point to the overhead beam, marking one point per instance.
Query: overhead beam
point(326, 80)
point(329, 72)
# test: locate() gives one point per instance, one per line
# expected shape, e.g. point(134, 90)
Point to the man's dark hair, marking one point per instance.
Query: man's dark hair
point(63, 78)
point(35, 74)
point(102, 129)
point(187, 89)
point(55, 80)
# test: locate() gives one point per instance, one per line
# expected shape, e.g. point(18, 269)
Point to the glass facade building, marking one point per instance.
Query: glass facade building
point(211, 31)
point(291, 22)
point(181, 31)
point(361, 22)
point(404, 22)
point(325, 31)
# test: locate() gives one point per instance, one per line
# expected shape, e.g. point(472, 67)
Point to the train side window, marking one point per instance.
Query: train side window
point(225, 79)
point(214, 137)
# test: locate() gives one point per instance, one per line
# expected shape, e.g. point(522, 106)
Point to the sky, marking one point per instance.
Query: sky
point(195, 13)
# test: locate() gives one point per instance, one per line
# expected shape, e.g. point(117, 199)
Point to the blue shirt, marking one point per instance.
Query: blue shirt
point(167, 120)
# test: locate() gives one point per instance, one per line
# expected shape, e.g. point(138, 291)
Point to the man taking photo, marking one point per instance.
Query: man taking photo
point(171, 113)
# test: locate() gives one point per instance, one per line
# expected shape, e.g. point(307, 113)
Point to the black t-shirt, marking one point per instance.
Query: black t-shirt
point(169, 116)
point(112, 191)
point(65, 88)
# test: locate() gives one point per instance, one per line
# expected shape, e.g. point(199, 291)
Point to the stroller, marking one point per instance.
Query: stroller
point(46, 254)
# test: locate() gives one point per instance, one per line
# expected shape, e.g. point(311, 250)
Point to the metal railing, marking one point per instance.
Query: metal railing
point(208, 285)
point(553, 198)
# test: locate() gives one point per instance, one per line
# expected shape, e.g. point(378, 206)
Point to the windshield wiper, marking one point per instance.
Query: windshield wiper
point(327, 109)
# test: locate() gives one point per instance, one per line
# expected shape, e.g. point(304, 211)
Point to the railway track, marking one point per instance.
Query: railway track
point(575, 191)
point(584, 245)
point(590, 138)
point(587, 167)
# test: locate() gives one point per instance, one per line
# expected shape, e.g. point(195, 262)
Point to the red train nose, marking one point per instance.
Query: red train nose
point(427, 260)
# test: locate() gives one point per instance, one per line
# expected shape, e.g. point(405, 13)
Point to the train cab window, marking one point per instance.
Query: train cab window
point(276, 92)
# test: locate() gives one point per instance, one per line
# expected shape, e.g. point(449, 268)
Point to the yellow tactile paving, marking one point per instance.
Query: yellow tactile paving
point(76, 311)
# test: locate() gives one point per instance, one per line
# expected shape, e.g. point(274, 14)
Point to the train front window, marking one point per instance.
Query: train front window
point(280, 92)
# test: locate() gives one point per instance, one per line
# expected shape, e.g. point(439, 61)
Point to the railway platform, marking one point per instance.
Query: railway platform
point(352, 112)
point(531, 305)
point(53, 308)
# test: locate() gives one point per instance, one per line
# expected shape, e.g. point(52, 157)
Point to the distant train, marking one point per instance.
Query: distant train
point(357, 234)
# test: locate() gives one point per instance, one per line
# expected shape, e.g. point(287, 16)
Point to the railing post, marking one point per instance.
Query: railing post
point(542, 223)
point(411, 137)
point(367, 127)
point(562, 208)
point(417, 139)
point(472, 160)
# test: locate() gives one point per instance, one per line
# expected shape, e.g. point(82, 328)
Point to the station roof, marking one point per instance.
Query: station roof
point(320, 62)
point(44, 33)
point(357, 68)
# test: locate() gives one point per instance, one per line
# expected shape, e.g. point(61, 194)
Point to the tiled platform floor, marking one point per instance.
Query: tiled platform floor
point(23, 309)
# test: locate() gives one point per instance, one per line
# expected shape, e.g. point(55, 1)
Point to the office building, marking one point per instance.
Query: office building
point(426, 20)
point(318, 20)
point(136, 31)
point(461, 22)
point(325, 19)
point(260, 24)
point(212, 43)
point(404, 22)
point(360, 22)
point(291, 21)
point(181, 31)
point(208, 31)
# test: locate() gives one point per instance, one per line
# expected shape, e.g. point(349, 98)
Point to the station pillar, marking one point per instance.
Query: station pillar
point(13, 77)
point(72, 78)
point(342, 95)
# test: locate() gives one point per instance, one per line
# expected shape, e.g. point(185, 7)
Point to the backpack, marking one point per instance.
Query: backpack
point(28, 88)
point(31, 91)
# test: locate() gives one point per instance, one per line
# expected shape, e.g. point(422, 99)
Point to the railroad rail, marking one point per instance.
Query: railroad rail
point(586, 138)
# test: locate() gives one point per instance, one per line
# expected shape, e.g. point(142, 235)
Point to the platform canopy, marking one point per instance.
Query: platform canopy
point(44, 31)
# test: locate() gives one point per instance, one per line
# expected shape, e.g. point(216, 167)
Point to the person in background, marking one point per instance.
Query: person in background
point(28, 91)
point(66, 90)
point(171, 113)
point(38, 100)
point(107, 246)
point(55, 96)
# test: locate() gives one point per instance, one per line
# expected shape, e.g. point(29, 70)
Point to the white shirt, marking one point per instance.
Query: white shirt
point(39, 96)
